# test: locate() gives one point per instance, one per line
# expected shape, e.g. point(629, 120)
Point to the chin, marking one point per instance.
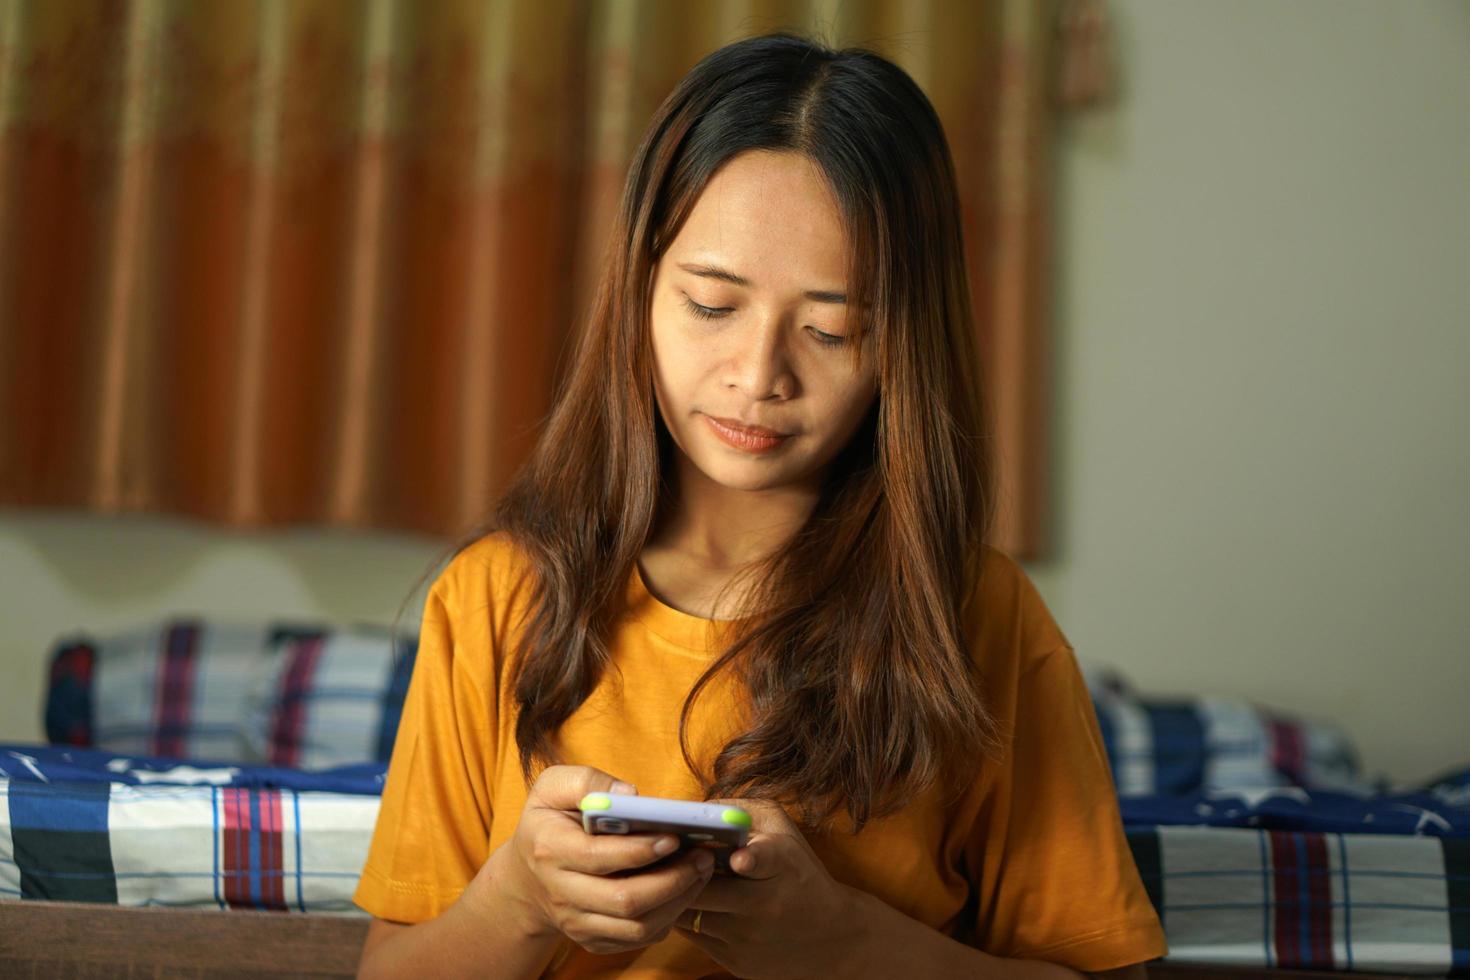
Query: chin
point(745, 476)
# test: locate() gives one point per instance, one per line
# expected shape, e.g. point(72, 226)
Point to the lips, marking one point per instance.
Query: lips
point(748, 438)
point(755, 430)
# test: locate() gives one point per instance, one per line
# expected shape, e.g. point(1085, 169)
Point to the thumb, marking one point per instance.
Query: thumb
point(562, 787)
point(761, 858)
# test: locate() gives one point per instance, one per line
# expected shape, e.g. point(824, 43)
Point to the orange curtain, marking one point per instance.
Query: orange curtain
point(315, 261)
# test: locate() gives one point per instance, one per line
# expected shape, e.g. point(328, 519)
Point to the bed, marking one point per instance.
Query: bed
point(208, 793)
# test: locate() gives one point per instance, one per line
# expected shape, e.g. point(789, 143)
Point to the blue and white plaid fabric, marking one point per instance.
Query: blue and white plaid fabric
point(1310, 900)
point(1261, 842)
point(251, 693)
point(1158, 745)
point(1275, 881)
point(313, 697)
point(78, 825)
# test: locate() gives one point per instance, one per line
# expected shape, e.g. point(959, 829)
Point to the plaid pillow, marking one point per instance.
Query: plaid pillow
point(286, 694)
point(1158, 745)
point(170, 689)
point(330, 698)
point(1187, 744)
point(312, 697)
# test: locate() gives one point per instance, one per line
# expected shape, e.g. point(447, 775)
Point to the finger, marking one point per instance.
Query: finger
point(574, 849)
point(765, 816)
point(590, 930)
point(651, 928)
point(711, 935)
point(729, 897)
point(667, 914)
point(713, 947)
point(641, 896)
point(562, 787)
point(762, 858)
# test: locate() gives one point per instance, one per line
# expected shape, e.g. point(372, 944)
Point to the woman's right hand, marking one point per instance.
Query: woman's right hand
point(559, 878)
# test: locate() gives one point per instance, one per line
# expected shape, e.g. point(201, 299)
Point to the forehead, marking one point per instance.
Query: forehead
point(773, 218)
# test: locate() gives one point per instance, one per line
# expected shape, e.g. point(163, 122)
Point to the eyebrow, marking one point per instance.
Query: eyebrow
point(709, 271)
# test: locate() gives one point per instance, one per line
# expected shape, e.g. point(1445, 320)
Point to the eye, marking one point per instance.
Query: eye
point(704, 312)
point(827, 339)
point(717, 312)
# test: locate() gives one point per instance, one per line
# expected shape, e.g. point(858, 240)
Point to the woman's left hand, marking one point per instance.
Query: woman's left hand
point(781, 915)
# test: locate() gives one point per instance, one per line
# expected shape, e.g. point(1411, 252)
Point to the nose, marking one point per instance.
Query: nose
point(759, 366)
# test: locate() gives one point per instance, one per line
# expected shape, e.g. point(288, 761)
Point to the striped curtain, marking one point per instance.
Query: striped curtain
point(293, 261)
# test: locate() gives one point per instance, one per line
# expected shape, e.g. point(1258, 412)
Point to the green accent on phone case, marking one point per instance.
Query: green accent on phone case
point(596, 801)
point(737, 817)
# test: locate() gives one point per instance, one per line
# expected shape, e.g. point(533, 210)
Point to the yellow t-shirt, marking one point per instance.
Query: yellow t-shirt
point(1038, 838)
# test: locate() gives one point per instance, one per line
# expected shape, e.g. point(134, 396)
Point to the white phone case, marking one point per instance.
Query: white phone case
point(716, 826)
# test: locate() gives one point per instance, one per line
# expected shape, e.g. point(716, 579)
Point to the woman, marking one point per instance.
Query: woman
point(747, 561)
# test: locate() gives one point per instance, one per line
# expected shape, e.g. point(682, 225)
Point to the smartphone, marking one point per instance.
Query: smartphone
point(715, 826)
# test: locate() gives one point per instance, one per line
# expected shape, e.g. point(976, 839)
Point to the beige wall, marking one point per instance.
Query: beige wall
point(1263, 355)
point(1263, 387)
point(63, 573)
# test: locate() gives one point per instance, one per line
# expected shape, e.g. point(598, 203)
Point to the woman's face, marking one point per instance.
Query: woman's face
point(771, 350)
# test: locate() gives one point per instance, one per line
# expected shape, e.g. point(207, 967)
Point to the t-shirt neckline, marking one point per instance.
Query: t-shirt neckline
point(674, 625)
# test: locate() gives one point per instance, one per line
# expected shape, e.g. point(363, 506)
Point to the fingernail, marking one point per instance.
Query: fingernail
point(626, 789)
point(704, 860)
point(665, 845)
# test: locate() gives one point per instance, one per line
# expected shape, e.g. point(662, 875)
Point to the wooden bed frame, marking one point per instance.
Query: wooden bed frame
point(74, 939)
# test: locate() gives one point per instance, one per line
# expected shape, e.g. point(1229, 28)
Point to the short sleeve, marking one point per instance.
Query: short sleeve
point(1055, 877)
point(433, 830)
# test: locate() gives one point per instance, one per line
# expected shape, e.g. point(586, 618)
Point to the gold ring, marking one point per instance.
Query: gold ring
point(697, 914)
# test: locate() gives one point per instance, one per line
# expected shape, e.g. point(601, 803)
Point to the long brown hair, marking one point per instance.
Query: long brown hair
point(861, 691)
